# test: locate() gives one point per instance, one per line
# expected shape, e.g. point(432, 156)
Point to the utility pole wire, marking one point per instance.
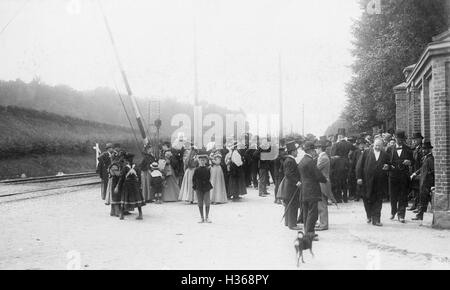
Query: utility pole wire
point(14, 17)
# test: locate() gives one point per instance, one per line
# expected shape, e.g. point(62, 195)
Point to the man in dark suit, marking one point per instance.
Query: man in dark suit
point(289, 190)
point(415, 183)
point(426, 178)
point(339, 154)
point(104, 161)
point(371, 172)
point(264, 167)
point(311, 193)
point(401, 158)
point(351, 177)
point(279, 171)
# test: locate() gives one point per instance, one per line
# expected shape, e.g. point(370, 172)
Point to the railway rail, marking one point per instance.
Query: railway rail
point(48, 178)
point(28, 188)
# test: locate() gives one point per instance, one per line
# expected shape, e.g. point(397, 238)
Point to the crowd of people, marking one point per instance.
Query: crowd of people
point(309, 176)
point(385, 167)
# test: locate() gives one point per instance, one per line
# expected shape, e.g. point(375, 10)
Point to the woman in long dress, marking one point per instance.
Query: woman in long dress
point(237, 186)
point(218, 192)
point(112, 196)
point(147, 192)
point(187, 192)
point(128, 187)
point(171, 190)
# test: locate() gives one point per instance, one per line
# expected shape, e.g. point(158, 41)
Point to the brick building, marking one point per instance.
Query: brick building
point(423, 105)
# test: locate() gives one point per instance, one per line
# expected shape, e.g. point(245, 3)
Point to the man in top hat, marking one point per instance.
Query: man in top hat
point(311, 193)
point(289, 191)
point(417, 156)
point(401, 158)
point(426, 177)
point(104, 161)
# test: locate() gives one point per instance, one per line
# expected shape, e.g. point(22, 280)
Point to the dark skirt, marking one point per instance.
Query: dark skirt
point(237, 185)
point(130, 196)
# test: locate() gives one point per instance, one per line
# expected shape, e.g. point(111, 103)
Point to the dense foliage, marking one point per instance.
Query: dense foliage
point(384, 45)
point(27, 131)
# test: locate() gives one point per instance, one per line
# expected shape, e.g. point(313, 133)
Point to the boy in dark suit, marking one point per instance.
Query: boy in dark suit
point(202, 186)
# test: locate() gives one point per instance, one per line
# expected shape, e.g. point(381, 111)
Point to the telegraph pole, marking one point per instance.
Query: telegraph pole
point(280, 74)
point(195, 57)
point(198, 121)
point(303, 120)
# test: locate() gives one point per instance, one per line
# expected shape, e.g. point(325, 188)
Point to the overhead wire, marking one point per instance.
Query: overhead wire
point(128, 117)
point(14, 17)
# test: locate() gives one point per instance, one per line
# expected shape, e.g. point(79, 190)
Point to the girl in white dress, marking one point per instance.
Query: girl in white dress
point(218, 192)
point(187, 192)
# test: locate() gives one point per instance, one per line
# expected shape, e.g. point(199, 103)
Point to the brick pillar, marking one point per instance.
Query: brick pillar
point(401, 107)
point(425, 109)
point(440, 132)
point(414, 111)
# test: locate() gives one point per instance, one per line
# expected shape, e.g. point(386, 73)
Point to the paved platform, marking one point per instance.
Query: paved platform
point(74, 230)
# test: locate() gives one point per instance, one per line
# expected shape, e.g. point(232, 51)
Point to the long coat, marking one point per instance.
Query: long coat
point(104, 161)
point(311, 177)
point(291, 178)
point(371, 172)
point(400, 174)
point(323, 164)
point(426, 173)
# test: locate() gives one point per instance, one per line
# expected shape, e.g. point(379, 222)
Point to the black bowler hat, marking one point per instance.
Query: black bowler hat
point(427, 145)
point(291, 146)
point(417, 136)
point(400, 135)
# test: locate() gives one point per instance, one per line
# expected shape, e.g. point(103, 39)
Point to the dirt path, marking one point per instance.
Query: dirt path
point(75, 230)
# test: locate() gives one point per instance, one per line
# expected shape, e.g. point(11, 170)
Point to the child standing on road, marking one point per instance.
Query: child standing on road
point(128, 187)
point(202, 186)
point(218, 192)
point(156, 182)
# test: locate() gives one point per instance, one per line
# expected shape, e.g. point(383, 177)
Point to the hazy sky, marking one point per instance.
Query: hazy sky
point(65, 42)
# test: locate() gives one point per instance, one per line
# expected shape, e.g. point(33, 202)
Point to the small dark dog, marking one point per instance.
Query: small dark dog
point(301, 243)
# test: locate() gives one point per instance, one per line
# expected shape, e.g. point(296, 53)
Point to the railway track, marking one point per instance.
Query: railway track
point(48, 178)
point(28, 188)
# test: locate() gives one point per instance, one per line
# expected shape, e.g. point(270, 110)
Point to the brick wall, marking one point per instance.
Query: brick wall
point(414, 114)
point(440, 130)
point(401, 107)
point(425, 108)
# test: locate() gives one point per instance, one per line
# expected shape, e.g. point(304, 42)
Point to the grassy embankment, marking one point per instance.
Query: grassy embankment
point(38, 143)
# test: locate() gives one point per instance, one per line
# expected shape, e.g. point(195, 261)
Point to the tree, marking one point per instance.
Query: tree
point(384, 45)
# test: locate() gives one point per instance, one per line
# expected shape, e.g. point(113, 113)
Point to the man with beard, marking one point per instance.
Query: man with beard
point(371, 172)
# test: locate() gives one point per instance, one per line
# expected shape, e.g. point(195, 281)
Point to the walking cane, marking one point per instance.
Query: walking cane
point(289, 204)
